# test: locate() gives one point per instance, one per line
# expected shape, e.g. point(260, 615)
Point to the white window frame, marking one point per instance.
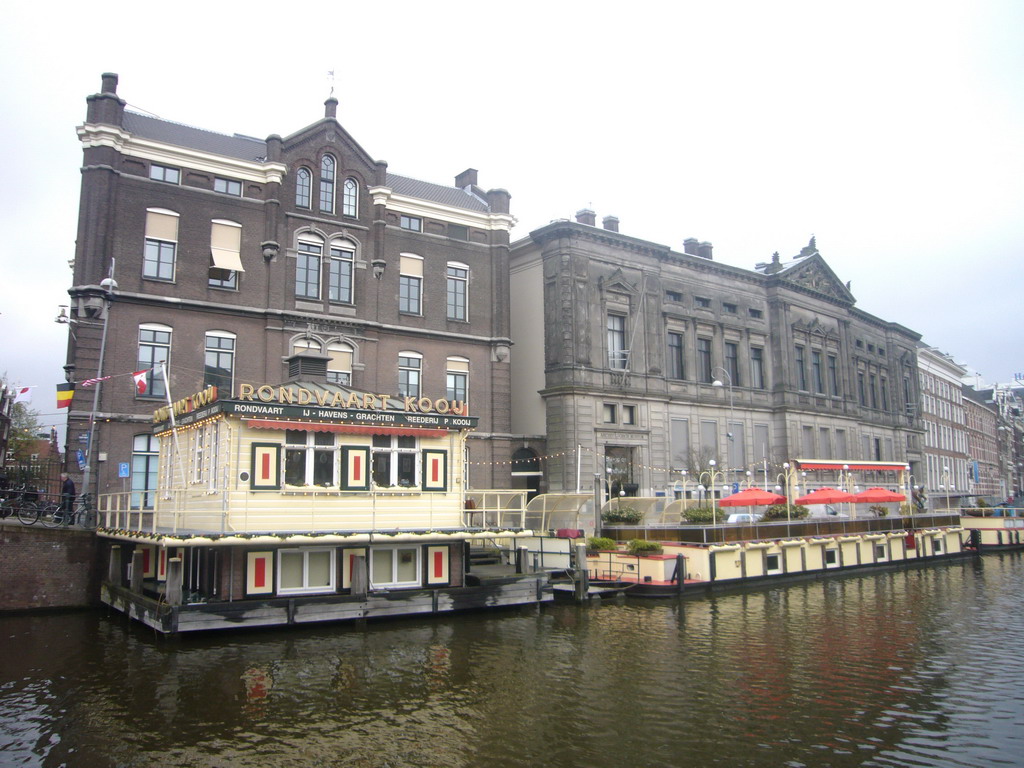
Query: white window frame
point(155, 375)
point(418, 554)
point(409, 368)
point(160, 173)
point(457, 286)
point(160, 242)
point(309, 242)
point(394, 450)
point(411, 223)
point(220, 351)
point(304, 188)
point(227, 186)
point(343, 254)
point(350, 197)
point(306, 589)
point(310, 448)
point(410, 284)
point(457, 368)
point(328, 174)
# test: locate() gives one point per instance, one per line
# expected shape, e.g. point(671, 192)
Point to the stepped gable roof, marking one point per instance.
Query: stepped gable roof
point(241, 147)
point(436, 193)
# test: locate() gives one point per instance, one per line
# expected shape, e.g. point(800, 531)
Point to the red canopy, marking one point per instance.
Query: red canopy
point(752, 497)
point(878, 496)
point(826, 496)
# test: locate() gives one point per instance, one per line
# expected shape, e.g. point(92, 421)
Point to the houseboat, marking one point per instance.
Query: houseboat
point(310, 502)
point(833, 540)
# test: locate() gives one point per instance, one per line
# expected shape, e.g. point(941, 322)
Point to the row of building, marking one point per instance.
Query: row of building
point(585, 354)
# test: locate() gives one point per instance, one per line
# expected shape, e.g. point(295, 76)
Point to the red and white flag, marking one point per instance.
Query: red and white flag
point(139, 377)
point(23, 395)
point(90, 382)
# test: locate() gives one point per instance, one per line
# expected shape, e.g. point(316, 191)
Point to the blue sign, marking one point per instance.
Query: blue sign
point(123, 470)
point(80, 456)
point(735, 487)
point(84, 438)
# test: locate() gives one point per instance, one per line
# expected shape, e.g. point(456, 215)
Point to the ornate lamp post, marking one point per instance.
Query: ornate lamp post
point(713, 475)
point(785, 480)
point(728, 435)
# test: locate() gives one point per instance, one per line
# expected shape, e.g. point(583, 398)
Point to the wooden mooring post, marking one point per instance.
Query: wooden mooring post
point(581, 578)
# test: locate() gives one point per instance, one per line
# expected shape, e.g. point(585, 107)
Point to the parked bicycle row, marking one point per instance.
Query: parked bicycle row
point(30, 506)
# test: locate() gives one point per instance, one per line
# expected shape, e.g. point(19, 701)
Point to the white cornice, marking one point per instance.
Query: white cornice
point(93, 135)
point(416, 206)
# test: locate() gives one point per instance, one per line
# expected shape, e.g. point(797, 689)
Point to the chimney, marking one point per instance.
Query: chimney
point(105, 107)
point(690, 246)
point(466, 179)
point(498, 200)
point(331, 108)
point(611, 223)
point(586, 216)
point(704, 250)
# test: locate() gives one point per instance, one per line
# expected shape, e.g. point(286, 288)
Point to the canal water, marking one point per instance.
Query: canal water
point(915, 667)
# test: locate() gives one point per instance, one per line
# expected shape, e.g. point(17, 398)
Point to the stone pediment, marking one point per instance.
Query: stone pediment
point(813, 274)
point(617, 283)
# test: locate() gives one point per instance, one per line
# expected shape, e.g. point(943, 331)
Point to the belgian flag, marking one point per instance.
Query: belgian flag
point(64, 394)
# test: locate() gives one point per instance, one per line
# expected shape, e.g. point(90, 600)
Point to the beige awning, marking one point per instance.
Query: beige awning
point(226, 246)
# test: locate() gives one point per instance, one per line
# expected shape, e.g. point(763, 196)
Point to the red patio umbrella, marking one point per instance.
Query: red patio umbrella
point(826, 496)
point(877, 496)
point(752, 497)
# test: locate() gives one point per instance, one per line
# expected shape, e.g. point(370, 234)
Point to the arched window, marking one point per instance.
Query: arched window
point(306, 344)
point(219, 364)
point(457, 378)
point(327, 184)
point(350, 198)
point(154, 349)
point(339, 367)
point(309, 254)
point(303, 187)
point(410, 366)
point(339, 278)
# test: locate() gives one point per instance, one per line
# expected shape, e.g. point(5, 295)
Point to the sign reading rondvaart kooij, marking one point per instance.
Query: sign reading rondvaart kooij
point(286, 402)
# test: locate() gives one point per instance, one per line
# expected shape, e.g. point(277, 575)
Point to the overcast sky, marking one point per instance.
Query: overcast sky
point(892, 131)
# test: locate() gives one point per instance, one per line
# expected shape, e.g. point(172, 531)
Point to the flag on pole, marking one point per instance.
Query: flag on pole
point(64, 394)
point(139, 377)
point(23, 395)
point(90, 382)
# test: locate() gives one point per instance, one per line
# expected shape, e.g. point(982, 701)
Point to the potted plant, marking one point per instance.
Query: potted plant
point(623, 515)
point(643, 547)
point(597, 544)
point(879, 510)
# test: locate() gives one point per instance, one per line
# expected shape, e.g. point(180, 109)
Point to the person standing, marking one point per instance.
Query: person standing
point(67, 496)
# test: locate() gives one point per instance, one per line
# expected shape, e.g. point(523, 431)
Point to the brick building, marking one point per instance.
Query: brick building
point(232, 253)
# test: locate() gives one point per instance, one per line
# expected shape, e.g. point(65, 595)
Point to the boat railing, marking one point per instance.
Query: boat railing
point(992, 511)
point(766, 530)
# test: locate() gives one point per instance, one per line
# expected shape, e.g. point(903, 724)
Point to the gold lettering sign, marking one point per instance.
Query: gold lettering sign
point(366, 401)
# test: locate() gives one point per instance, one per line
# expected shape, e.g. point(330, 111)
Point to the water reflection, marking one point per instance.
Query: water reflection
point(912, 667)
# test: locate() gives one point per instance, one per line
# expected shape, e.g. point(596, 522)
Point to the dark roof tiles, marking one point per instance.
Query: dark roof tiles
point(248, 148)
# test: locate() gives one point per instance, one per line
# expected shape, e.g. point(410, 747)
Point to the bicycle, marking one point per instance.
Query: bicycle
point(83, 513)
point(17, 501)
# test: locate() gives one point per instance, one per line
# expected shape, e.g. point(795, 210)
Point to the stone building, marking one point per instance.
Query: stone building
point(945, 423)
point(983, 477)
point(231, 253)
point(634, 362)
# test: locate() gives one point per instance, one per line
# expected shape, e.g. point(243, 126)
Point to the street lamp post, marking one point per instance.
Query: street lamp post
point(787, 476)
point(946, 485)
point(713, 476)
point(728, 423)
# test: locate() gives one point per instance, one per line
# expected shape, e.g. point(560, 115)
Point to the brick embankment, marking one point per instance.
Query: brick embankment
point(43, 568)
